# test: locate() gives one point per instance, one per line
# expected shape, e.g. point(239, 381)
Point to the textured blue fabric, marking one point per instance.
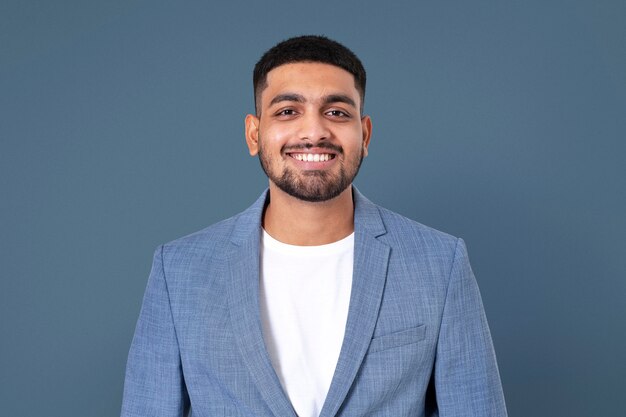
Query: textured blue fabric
point(416, 341)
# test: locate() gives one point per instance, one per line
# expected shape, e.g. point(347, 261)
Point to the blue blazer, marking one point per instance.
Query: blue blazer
point(416, 340)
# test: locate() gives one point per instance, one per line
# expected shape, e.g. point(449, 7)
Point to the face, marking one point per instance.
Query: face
point(310, 136)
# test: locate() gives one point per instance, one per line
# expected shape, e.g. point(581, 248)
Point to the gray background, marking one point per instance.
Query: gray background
point(501, 122)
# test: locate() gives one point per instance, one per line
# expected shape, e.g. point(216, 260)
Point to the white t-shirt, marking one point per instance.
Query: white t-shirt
point(304, 299)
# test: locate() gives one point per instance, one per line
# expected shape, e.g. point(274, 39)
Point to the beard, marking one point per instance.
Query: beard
point(315, 185)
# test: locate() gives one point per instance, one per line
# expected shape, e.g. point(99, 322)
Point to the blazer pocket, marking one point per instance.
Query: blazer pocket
point(401, 338)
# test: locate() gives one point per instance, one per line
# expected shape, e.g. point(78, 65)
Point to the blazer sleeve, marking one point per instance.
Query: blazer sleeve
point(154, 384)
point(467, 382)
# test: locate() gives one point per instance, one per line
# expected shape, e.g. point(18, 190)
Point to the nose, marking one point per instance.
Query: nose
point(313, 127)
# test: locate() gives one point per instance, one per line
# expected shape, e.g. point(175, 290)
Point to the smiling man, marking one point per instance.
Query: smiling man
point(314, 301)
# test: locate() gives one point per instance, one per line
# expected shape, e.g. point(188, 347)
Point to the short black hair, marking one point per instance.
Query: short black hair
point(308, 48)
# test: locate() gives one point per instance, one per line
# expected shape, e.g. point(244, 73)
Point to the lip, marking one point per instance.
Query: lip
point(313, 165)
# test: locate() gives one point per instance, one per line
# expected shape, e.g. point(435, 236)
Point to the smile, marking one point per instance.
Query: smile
point(312, 157)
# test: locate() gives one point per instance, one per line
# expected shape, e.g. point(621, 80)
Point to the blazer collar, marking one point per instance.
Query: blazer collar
point(369, 275)
point(366, 218)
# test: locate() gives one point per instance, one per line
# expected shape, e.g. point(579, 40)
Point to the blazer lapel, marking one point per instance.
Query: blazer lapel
point(369, 275)
point(245, 312)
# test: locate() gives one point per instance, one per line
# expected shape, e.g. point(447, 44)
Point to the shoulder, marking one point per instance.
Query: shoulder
point(401, 232)
point(405, 236)
point(421, 249)
point(204, 239)
point(200, 248)
point(402, 229)
point(215, 239)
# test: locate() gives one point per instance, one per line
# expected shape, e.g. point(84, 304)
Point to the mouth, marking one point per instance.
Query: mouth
point(312, 157)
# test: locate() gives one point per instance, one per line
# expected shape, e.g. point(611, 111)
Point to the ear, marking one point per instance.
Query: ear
point(366, 127)
point(252, 134)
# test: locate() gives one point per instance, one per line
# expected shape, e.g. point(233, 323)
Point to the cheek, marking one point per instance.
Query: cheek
point(353, 138)
point(277, 133)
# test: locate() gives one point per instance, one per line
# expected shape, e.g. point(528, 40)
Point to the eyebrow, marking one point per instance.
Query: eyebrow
point(287, 97)
point(339, 98)
point(298, 98)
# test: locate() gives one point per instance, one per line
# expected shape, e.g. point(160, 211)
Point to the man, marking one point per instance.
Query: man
point(314, 301)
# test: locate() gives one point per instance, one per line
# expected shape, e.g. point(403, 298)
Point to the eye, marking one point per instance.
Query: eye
point(338, 114)
point(286, 113)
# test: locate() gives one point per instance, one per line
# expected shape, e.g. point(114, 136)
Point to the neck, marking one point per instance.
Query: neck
point(302, 223)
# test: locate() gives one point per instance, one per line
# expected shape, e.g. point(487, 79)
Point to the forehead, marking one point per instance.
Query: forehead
point(309, 79)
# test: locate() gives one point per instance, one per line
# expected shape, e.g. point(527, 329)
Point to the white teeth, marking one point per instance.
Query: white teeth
point(309, 157)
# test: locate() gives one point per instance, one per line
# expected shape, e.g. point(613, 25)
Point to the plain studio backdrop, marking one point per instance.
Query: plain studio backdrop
point(502, 122)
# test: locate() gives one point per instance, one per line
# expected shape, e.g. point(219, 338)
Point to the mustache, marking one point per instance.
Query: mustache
point(306, 146)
